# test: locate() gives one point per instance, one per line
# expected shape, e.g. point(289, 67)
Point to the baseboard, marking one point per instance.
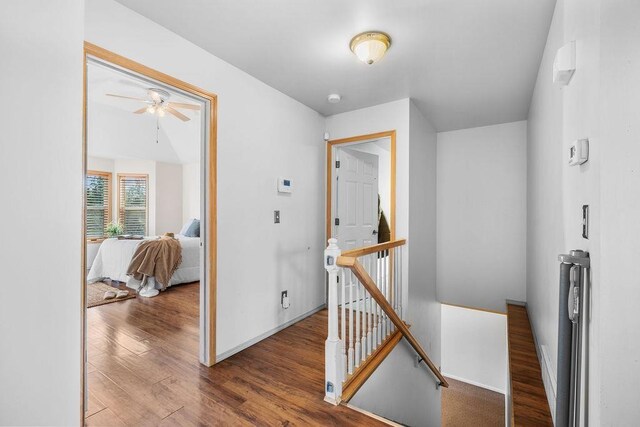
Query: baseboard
point(514, 302)
point(247, 344)
point(477, 384)
point(548, 378)
point(372, 415)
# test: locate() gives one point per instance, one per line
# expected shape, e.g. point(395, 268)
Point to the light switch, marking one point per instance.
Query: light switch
point(585, 221)
point(276, 217)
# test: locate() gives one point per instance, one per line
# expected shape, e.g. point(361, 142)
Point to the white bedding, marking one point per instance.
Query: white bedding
point(114, 256)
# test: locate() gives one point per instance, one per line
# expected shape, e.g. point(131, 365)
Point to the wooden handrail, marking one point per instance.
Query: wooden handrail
point(366, 250)
point(352, 263)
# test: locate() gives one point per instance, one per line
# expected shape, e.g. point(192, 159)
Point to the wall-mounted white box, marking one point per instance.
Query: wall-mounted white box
point(564, 64)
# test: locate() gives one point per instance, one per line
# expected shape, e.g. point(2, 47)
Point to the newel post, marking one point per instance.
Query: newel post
point(333, 370)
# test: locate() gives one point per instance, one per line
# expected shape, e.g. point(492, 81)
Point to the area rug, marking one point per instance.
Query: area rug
point(95, 294)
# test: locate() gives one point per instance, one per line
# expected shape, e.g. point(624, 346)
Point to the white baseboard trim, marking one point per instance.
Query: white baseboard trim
point(374, 416)
point(475, 383)
point(247, 344)
point(516, 302)
point(548, 377)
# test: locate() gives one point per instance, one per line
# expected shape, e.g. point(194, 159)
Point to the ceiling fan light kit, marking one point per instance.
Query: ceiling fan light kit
point(370, 46)
point(158, 104)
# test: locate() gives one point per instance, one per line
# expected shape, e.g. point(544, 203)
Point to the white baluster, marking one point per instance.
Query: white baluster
point(370, 321)
point(383, 285)
point(400, 283)
point(394, 288)
point(333, 370)
point(351, 313)
point(343, 322)
point(358, 348)
point(379, 312)
point(365, 316)
point(388, 291)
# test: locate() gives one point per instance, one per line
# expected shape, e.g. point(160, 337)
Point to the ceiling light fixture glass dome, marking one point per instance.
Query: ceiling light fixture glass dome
point(370, 46)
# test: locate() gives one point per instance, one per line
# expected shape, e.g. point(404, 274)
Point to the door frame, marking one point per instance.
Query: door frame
point(92, 50)
point(391, 134)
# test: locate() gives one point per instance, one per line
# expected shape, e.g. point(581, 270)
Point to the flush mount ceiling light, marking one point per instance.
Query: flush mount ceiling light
point(370, 46)
point(334, 98)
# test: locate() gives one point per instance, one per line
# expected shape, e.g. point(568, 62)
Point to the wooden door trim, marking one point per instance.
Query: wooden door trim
point(211, 283)
point(391, 134)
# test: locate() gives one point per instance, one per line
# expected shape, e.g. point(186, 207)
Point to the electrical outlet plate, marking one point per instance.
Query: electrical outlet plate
point(284, 299)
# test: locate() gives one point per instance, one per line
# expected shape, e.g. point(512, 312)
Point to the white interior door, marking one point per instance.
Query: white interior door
point(356, 210)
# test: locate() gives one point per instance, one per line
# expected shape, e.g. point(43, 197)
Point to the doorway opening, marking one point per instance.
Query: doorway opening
point(149, 161)
point(361, 190)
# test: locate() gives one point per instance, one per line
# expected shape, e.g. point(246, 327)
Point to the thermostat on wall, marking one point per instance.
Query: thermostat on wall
point(579, 152)
point(284, 185)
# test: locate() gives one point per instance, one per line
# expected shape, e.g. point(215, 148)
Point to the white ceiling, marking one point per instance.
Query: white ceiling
point(116, 133)
point(465, 63)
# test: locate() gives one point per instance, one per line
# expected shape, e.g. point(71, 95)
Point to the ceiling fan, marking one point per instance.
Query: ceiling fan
point(158, 104)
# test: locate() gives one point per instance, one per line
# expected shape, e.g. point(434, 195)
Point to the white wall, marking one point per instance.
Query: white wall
point(190, 191)
point(169, 197)
point(557, 191)
point(481, 208)
point(620, 210)
point(474, 347)
point(100, 164)
point(116, 133)
point(41, 175)
point(398, 390)
point(600, 103)
point(262, 134)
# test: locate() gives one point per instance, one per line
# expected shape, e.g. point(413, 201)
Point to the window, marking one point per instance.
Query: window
point(98, 194)
point(132, 203)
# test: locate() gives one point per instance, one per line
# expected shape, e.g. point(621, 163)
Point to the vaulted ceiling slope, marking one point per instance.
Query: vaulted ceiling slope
point(465, 63)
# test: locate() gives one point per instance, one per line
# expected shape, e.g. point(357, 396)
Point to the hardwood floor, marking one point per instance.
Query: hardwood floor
point(529, 400)
point(144, 370)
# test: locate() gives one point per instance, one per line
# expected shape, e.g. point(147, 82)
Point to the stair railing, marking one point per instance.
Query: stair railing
point(365, 312)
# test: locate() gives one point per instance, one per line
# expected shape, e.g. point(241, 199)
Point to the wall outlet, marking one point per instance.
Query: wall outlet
point(284, 299)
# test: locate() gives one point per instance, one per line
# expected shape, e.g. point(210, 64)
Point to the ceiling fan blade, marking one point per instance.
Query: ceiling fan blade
point(184, 105)
point(140, 111)
point(177, 113)
point(127, 97)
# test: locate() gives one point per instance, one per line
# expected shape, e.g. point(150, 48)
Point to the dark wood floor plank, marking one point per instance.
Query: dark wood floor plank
point(529, 401)
point(145, 370)
point(120, 402)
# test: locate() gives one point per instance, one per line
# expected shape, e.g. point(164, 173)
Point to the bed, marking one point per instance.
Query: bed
point(114, 257)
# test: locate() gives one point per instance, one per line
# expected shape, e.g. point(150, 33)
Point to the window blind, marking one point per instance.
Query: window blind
point(98, 194)
point(132, 204)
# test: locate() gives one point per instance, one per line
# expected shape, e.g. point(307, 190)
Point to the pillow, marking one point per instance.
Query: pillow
point(194, 229)
point(186, 226)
